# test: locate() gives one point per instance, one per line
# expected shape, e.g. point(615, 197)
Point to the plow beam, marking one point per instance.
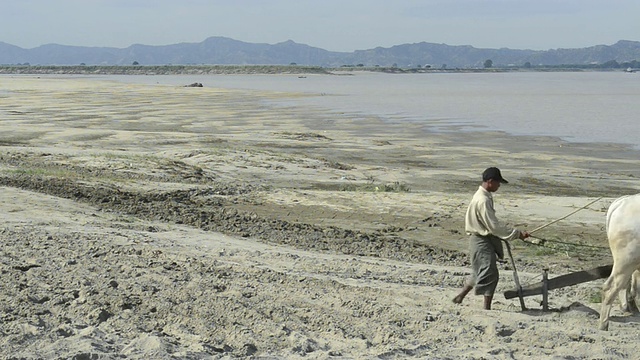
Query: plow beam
point(561, 281)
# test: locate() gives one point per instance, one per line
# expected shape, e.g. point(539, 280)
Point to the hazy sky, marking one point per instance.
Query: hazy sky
point(336, 25)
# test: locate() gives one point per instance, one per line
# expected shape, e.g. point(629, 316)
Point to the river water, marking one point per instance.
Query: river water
point(574, 106)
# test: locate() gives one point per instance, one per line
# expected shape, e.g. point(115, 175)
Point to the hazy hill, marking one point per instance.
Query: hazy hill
point(225, 51)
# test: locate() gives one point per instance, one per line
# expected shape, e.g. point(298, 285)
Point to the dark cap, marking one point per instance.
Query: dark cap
point(493, 173)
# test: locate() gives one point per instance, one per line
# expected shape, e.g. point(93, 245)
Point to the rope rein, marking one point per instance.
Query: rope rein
point(564, 217)
point(543, 240)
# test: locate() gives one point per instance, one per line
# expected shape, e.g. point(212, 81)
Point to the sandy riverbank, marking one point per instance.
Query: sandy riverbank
point(170, 222)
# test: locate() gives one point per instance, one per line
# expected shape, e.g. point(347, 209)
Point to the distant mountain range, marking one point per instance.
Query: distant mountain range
point(226, 51)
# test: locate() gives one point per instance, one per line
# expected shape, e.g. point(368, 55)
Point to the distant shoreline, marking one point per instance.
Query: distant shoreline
point(246, 69)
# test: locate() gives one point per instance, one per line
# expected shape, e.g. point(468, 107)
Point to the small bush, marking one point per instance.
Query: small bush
point(372, 187)
point(596, 297)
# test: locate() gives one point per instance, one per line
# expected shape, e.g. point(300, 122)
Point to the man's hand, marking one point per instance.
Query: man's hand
point(524, 235)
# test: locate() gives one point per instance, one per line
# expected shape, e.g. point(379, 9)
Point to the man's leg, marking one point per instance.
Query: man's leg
point(465, 290)
point(487, 302)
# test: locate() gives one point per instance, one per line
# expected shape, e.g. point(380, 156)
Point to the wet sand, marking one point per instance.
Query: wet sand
point(171, 222)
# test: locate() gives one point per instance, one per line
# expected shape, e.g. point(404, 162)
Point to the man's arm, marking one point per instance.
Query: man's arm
point(495, 227)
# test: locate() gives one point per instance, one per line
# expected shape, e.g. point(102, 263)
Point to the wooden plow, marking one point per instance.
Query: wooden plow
point(543, 287)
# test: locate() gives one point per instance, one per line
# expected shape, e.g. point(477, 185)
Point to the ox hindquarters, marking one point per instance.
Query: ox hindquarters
point(623, 232)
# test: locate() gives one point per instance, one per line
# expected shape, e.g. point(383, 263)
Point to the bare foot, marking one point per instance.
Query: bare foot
point(465, 290)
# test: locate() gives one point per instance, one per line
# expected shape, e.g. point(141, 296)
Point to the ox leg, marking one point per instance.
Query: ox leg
point(626, 301)
point(617, 281)
point(628, 297)
point(633, 292)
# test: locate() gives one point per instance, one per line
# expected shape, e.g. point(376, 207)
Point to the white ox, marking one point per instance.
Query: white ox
point(623, 232)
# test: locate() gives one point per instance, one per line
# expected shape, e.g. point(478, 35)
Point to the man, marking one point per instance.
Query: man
point(485, 241)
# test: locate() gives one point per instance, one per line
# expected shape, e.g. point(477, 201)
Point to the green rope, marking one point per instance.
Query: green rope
point(563, 242)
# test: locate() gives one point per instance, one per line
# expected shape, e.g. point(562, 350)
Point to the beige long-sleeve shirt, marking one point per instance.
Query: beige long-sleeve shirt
point(481, 218)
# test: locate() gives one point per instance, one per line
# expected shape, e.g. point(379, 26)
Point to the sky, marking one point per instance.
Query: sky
point(335, 25)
